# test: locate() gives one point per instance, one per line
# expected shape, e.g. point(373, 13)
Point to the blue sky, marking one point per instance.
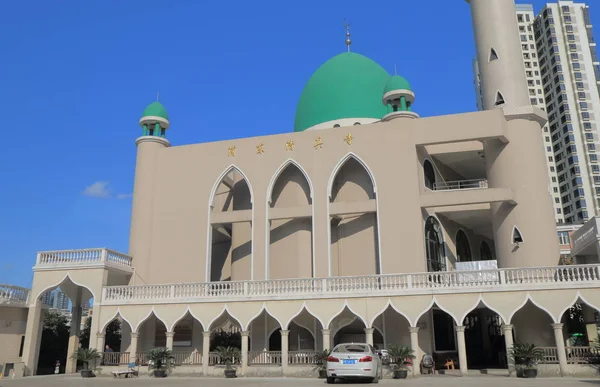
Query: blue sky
point(76, 75)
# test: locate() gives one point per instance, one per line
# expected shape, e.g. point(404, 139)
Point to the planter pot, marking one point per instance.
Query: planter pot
point(160, 373)
point(87, 374)
point(529, 373)
point(400, 374)
point(322, 374)
point(230, 374)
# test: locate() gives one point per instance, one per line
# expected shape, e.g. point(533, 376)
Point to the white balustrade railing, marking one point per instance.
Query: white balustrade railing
point(82, 257)
point(13, 294)
point(264, 357)
point(187, 358)
point(302, 357)
point(460, 184)
point(575, 355)
point(409, 283)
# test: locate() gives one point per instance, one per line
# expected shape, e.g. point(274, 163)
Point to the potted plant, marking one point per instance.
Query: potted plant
point(228, 355)
point(320, 360)
point(525, 357)
point(402, 356)
point(159, 360)
point(86, 356)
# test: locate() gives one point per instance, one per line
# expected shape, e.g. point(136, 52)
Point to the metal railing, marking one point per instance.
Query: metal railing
point(408, 283)
point(82, 257)
point(264, 357)
point(460, 184)
point(114, 358)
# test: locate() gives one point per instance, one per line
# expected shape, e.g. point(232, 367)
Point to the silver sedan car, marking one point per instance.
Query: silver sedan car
point(354, 361)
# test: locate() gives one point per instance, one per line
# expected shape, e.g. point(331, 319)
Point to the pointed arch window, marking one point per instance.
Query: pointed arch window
point(434, 246)
point(463, 249)
point(493, 55)
point(485, 254)
point(517, 237)
point(499, 99)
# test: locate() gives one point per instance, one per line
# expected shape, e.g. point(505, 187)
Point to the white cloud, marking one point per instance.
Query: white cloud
point(124, 196)
point(98, 190)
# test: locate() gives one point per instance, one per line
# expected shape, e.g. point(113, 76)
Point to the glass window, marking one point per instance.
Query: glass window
point(436, 257)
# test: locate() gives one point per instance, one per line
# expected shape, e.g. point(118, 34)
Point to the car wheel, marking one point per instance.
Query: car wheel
point(330, 380)
point(375, 380)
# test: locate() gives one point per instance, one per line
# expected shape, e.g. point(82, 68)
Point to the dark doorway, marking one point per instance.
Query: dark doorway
point(484, 341)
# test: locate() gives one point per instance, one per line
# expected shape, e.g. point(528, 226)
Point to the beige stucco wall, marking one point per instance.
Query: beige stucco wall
point(12, 328)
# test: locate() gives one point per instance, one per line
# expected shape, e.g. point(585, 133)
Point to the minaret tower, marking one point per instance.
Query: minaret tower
point(154, 122)
point(526, 231)
point(398, 98)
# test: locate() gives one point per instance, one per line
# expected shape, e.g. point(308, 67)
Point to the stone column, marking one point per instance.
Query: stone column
point(100, 337)
point(560, 348)
point(369, 335)
point(245, 352)
point(133, 347)
point(170, 336)
point(205, 351)
point(33, 337)
point(462, 349)
point(326, 339)
point(507, 330)
point(414, 345)
point(284, 350)
point(74, 332)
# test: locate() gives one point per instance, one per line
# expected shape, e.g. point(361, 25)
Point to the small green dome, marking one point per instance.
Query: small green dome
point(156, 109)
point(396, 83)
point(346, 86)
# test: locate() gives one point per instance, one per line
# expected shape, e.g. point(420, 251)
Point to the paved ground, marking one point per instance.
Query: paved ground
point(438, 380)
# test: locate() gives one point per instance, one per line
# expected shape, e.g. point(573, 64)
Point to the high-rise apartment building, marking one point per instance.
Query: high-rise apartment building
point(562, 69)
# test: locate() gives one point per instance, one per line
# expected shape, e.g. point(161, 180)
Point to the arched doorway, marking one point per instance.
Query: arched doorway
point(434, 246)
point(463, 248)
point(429, 175)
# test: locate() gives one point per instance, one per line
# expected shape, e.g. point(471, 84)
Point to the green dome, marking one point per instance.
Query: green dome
point(156, 109)
point(396, 83)
point(346, 86)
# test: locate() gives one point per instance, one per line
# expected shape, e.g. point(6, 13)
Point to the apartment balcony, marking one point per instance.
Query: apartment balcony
point(496, 280)
point(466, 193)
point(83, 259)
point(13, 296)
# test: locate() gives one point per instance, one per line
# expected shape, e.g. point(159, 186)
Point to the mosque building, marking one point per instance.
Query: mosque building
point(366, 224)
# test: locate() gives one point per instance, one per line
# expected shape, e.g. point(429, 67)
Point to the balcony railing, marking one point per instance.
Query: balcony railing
point(575, 355)
point(388, 284)
point(10, 295)
point(264, 357)
point(460, 184)
point(84, 257)
point(302, 357)
point(187, 358)
point(114, 358)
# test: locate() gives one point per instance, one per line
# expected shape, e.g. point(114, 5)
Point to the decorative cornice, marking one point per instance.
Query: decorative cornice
point(399, 114)
point(531, 113)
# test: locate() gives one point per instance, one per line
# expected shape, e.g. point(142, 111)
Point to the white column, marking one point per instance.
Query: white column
point(284, 350)
point(100, 337)
point(133, 347)
point(414, 345)
point(170, 336)
point(33, 337)
point(326, 339)
point(369, 335)
point(245, 352)
point(74, 332)
point(560, 348)
point(507, 330)
point(205, 351)
point(462, 349)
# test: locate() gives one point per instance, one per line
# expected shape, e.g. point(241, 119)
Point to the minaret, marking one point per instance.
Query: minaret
point(154, 122)
point(525, 232)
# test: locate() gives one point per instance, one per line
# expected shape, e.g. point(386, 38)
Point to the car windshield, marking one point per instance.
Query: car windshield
point(351, 348)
